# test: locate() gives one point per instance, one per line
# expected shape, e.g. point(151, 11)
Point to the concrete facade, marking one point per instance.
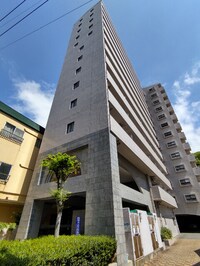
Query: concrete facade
point(100, 114)
point(180, 162)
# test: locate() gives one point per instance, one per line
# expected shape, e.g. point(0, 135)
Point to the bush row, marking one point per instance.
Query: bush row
point(63, 250)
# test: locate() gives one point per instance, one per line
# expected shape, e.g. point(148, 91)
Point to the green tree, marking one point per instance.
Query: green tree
point(197, 157)
point(62, 165)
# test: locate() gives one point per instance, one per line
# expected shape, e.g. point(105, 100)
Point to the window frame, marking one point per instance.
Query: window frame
point(73, 103)
point(6, 174)
point(171, 146)
point(187, 184)
point(191, 194)
point(76, 85)
point(70, 127)
point(181, 170)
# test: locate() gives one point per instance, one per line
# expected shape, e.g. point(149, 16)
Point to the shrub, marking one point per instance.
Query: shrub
point(166, 233)
point(9, 226)
point(63, 250)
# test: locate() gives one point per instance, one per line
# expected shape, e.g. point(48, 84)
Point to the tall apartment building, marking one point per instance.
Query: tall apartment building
point(100, 114)
point(180, 163)
point(20, 140)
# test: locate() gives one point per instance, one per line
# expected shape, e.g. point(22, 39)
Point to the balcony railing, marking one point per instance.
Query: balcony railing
point(163, 197)
point(178, 127)
point(8, 135)
point(196, 171)
point(191, 158)
point(186, 146)
point(182, 135)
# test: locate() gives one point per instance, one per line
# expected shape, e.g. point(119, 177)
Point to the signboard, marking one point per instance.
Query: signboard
point(78, 225)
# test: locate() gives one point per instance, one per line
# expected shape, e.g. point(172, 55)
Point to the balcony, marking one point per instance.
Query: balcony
point(191, 158)
point(174, 118)
point(178, 127)
point(182, 135)
point(186, 146)
point(163, 197)
point(196, 171)
point(170, 109)
point(11, 136)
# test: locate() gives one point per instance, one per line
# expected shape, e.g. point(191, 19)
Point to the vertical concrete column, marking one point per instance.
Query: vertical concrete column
point(30, 220)
point(103, 201)
point(117, 203)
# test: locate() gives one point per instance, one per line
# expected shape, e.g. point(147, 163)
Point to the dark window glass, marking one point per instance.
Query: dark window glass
point(70, 127)
point(4, 170)
point(78, 70)
point(80, 58)
point(73, 103)
point(76, 85)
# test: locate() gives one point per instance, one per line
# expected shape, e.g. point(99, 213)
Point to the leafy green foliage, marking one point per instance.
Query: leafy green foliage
point(166, 233)
point(197, 157)
point(60, 194)
point(64, 250)
point(9, 226)
point(62, 165)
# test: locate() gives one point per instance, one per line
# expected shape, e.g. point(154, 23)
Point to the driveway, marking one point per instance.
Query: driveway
point(185, 252)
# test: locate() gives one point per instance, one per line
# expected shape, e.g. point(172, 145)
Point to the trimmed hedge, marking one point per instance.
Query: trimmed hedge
point(166, 233)
point(63, 250)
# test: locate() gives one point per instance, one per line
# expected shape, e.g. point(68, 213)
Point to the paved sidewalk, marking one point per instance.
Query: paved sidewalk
point(185, 252)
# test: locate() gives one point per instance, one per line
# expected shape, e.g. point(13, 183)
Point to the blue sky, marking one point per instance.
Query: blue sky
point(162, 40)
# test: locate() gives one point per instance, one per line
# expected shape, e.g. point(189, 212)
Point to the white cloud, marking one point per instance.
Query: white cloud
point(186, 108)
point(34, 99)
point(193, 77)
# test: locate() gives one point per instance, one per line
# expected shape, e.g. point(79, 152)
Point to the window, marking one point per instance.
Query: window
point(180, 168)
point(156, 102)
point(164, 125)
point(70, 127)
point(152, 89)
point(80, 24)
point(73, 103)
point(91, 14)
point(80, 19)
point(171, 144)
point(76, 85)
point(38, 143)
point(78, 30)
point(78, 70)
point(89, 33)
point(77, 37)
point(167, 134)
point(92, 10)
point(185, 182)
point(162, 116)
point(158, 109)
point(154, 95)
point(90, 26)
point(11, 132)
point(80, 58)
point(81, 48)
point(190, 198)
point(175, 155)
point(75, 44)
point(91, 20)
point(4, 171)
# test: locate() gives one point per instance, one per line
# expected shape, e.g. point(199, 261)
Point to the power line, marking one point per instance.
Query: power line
point(45, 25)
point(12, 10)
point(20, 14)
point(24, 18)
